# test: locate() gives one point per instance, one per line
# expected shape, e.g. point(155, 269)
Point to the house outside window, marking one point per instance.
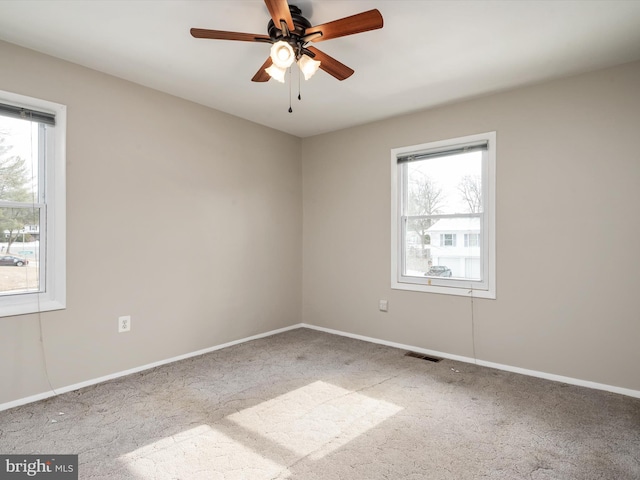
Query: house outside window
point(32, 205)
point(445, 191)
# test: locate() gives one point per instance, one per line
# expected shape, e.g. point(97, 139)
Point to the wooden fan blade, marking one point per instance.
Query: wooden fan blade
point(279, 10)
point(261, 75)
point(330, 65)
point(222, 35)
point(361, 22)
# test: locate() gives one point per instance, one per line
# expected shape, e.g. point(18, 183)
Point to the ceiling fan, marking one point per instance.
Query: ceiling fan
point(289, 33)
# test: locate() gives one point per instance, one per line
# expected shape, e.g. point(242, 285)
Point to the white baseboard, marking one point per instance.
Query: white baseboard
point(508, 368)
point(498, 366)
point(77, 386)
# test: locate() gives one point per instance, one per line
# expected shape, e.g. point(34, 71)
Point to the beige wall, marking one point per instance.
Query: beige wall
point(142, 165)
point(185, 218)
point(568, 262)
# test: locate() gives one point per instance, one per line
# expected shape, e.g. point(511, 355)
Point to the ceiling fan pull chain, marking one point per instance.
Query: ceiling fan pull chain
point(290, 109)
point(299, 95)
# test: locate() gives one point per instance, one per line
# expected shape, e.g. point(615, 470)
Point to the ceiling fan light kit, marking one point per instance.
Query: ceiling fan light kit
point(290, 35)
point(282, 54)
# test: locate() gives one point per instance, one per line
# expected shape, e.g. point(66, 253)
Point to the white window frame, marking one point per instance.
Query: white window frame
point(486, 287)
point(52, 294)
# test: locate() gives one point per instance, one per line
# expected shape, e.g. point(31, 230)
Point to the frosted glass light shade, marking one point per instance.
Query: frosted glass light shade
point(308, 66)
point(282, 54)
point(276, 72)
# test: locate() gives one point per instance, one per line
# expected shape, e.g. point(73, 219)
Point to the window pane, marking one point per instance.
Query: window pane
point(19, 250)
point(417, 246)
point(444, 247)
point(18, 160)
point(452, 257)
point(445, 185)
point(442, 254)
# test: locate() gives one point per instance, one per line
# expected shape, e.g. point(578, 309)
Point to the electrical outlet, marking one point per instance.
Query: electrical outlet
point(124, 324)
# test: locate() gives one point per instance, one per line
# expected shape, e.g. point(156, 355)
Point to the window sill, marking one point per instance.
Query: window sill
point(28, 304)
point(444, 290)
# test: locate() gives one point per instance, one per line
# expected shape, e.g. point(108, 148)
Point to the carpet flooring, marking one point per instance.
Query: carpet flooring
point(309, 405)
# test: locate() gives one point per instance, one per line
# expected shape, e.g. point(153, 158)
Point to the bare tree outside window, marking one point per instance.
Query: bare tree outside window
point(13, 173)
point(425, 198)
point(14, 187)
point(470, 188)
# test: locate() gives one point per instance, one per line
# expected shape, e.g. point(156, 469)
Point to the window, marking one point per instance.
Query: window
point(444, 191)
point(32, 205)
point(448, 239)
point(471, 239)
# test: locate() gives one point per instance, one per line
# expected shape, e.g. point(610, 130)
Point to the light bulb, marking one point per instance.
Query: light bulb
point(282, 54)
point(308, 66)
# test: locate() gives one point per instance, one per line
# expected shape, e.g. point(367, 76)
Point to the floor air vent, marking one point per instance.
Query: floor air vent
point(422, 356)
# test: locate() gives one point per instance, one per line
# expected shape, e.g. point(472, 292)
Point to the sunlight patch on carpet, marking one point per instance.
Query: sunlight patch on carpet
point(316, 419)
point(199, 453)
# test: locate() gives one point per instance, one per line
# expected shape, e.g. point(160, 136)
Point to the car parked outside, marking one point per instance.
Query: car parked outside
point(12, 260)
point(438, 271)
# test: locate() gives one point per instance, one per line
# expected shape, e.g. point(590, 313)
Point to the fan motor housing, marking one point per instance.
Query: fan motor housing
point(300, 23)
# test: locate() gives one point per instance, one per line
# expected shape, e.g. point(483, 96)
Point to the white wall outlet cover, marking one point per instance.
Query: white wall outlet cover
point(124, 323)
point(383, 305)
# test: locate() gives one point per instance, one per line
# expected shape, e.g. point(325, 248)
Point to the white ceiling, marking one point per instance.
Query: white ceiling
point(428, 53)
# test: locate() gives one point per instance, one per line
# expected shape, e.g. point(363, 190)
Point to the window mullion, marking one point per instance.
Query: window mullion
point(7, 204)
